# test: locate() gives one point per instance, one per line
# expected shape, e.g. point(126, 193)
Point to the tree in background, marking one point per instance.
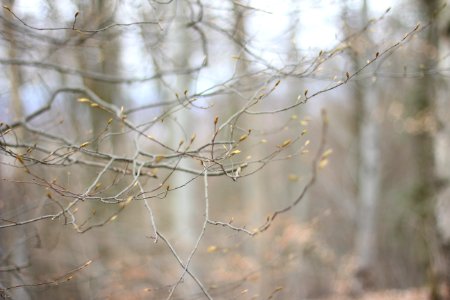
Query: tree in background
point(367, 106)
point(426, 110)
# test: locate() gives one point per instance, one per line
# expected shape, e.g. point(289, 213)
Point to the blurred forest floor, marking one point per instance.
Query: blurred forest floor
point(407, 294)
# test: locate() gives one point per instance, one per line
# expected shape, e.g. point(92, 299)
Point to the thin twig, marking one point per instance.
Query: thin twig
point(174, 253)
point(200, 236)
point(58, 280)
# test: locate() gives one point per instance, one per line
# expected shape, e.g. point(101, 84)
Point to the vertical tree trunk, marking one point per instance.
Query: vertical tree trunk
point(442, 167)
point(368, 191)
point(368, 170)
point(436, 197)
point(183, 212)
point(252, 192)
point(104, 59)
point(442, 157)
point(14, 241)
point(426, 145)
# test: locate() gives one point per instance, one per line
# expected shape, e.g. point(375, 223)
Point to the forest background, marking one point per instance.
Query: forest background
point(190, 149)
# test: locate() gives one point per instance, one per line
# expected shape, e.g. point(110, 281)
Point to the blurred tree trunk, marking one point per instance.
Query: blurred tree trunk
point(183, 201)
point(14, 247)
point(424, 194)
point(100, 53)
point(442, 148)
point(292, 165)
point(368, 165)
point(253, 193)
point(104, 58)
point(368, 190)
